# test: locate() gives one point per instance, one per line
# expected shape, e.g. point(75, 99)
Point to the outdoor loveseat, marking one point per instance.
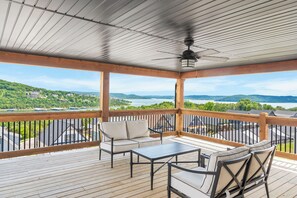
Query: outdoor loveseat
point(228, 173)
point(121, 137)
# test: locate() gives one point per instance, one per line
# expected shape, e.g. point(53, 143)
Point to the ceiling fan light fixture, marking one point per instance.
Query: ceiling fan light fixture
point(188, 62)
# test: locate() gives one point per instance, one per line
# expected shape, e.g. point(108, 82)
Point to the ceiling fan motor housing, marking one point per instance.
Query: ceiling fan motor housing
point(189, 41)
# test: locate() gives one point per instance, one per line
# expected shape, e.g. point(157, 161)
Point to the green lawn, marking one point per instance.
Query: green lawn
point(286, 146)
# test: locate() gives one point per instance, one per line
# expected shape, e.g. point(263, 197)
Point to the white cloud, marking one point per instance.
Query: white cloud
point(207, 85)
point(138, 84)
point(274, 87)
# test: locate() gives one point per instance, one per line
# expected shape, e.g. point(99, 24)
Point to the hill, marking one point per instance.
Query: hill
point(19, 96)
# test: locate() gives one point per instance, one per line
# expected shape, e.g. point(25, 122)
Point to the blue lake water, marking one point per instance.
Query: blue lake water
point(139, 102)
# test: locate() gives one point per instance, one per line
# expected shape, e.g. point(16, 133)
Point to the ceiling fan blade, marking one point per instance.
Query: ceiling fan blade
point(214, 58)
point(166, 58)
point(207, 52)
point(168, 53)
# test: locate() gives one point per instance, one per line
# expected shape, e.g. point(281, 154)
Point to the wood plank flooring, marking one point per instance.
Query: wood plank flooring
point(79, 173)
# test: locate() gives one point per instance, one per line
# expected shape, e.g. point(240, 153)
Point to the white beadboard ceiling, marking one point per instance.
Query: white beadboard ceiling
point(131, 32)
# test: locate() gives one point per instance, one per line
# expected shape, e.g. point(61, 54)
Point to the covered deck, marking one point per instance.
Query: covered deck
point(78, 173)
point(123, 37)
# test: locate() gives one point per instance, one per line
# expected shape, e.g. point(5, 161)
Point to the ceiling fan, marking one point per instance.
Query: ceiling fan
point(189, 58)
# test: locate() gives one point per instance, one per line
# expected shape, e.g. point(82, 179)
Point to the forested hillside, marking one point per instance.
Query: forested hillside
point(19, 96)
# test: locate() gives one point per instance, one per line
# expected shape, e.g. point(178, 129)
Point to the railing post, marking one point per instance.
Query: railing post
point(179, 104)
point(104, 96)
point(263, 126)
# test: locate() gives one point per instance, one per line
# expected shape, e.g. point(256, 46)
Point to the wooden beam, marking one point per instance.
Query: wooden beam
point(289, 65)
point(223, 115)
point(67, 63)
point(142, 112)
point(15, 117)
point(104, 96)
point(179, 104)
point(263, 126)
point(282, 121)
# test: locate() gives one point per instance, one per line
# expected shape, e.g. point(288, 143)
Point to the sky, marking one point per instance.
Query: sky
point(279, 83)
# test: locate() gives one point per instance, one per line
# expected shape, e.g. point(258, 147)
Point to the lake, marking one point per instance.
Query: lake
point(139, 102)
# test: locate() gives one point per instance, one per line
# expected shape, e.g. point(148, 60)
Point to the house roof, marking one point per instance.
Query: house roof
point(283, 113)
point(269, 112)
point(57, 127)
point(251, 134)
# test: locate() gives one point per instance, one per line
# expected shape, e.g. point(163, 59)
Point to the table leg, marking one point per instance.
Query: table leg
point(152, 174)
point(176, 159)
point(131, 164)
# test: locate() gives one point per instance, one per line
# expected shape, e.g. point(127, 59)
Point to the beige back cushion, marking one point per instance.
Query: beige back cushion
point(137, 128)
point(117, 130)
point(254, 171)
point(207, 184)
point(260, 146)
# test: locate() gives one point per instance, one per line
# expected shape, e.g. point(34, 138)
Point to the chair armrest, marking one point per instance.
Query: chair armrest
point(160, 132)
point(105, 134)
point(170, 165)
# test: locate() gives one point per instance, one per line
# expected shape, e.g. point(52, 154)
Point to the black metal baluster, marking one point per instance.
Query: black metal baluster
point(62, 131)
point(92, 130)
point(34, 132)
point(58, 135)
point(89, 129)
point(70, 139)
point(295, 141)
point(96, 128)
point(44, 126)
point(30, 129)
point(25, 131)
point(49, 133)
point(19, 141)
point(75, 129)
point(14, 136)
point(8, 136)
point(2, 145)
point(39, 124)
point(285, 138)
point(280, 139)
point(290, 151)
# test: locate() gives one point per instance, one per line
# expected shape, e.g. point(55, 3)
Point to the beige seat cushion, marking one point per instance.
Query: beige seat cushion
point(117, 130)
point(147, 141)
point(137, 128)
point(119, 145)
point(260, 146)
point(189, 183)
point(208, 181)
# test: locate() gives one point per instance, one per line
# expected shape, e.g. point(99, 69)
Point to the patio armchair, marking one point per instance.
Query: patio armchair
point(223, 177)
point(121, 137)
point(259, 167)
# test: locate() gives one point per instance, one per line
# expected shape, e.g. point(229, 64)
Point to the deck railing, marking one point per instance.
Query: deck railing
point(162, 120)
point(283, 132)
point(224, 126)
point(30, 132)
point(23, 131)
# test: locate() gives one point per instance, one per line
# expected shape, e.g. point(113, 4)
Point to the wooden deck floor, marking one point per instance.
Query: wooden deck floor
point(78, 173)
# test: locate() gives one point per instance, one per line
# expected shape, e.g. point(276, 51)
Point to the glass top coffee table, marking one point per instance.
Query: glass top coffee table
point(154, 153)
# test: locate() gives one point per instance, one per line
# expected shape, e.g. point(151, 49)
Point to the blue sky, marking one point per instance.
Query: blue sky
point(280, 83)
